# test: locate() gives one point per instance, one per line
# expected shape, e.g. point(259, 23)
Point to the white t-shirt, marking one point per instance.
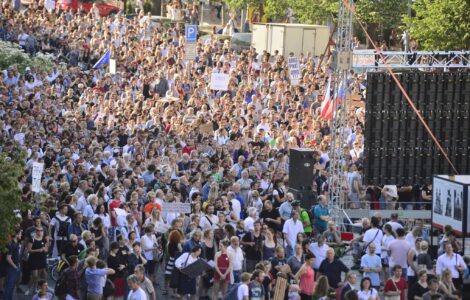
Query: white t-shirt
point(237, 255)
point(366, 295)
point(249, 223)
point(291, 229)
point(320, 253)
point(375, 235)
point(243, 291)
point(139, 294)
point(148, 242)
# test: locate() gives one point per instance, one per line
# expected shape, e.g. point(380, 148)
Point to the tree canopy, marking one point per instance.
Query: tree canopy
point(441, 24)
point(11, 168)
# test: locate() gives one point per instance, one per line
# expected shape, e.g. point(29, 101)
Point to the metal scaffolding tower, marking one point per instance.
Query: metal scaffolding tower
point(340, 80)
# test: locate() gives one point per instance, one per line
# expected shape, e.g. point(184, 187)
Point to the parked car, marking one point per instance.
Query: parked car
point(105, 7)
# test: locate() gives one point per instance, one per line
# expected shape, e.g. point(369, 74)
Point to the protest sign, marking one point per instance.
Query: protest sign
point(176, 207)
point(37, 174)
point(294, 70)
point(219, 81)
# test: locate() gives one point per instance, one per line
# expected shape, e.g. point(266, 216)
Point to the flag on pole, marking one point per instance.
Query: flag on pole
point(104, 60)
point(340, 97)
point(326, 100)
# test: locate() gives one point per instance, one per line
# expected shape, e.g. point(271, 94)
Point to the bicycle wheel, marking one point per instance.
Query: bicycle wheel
point(54, 274)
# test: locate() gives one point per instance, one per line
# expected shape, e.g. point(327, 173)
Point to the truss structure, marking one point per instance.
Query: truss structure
point(411, 60)
point(344, 64)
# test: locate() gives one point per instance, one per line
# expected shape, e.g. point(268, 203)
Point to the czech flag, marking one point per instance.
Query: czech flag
point(340, 97)
point(326, 104)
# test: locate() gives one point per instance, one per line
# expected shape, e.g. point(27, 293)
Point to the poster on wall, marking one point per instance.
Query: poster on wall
point(447, 203)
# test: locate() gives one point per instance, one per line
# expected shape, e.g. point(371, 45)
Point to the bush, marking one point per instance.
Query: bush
point(13, 55)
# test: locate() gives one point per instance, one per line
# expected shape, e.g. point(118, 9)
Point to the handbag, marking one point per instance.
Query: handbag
point(109, 288)
point(176, 274)
point(395, 297)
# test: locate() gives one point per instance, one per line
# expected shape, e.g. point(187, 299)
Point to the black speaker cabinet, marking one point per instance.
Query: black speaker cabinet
point(301, 163)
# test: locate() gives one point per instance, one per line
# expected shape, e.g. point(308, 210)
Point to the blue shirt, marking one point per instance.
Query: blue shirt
point(373, 262)
point(319, 211)
point(95, 280)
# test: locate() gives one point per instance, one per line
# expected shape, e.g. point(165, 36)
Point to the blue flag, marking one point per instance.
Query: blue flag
point(104, 60)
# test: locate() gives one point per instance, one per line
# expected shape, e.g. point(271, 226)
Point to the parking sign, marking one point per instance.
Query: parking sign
point(191, 33)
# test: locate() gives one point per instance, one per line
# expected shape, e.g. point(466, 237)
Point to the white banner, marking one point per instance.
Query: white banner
point(37, 174)
point(112, 66)
point(294, 70)
point(219, 81)
point(176, 207)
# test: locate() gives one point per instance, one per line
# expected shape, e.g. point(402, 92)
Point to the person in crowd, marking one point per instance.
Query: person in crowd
point(332, 268)
point(321, 287)
point(319, 249)
point(371, 265)
point(186, 284)
point(420, 287)
point(291, 228)
point(321, 214)
point(398, 252)
point(13, 264)
point(150, 249)
point(43, 288)
point(296, 261)
point(453, 262)
point(223, 268)
point(136, 292)
point(145, 283)
point(237, 255)
point(94, 278)
point(269, 244)
point(350, 281)
point(256, 287)
point(38, 248)
point(396, 285)
point(270, 216)
point(306, 277)
point(253, 245)
point(433, 289)
point(118, 263)
point(447, 287)
point(174, 249)
point(367, 292)
point(243, 290)
point(388, 236)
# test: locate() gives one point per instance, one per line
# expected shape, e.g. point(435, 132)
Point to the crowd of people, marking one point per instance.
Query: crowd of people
point(119, 148)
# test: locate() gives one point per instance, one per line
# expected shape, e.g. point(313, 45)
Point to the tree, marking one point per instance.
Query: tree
point(306, 11)
point(381, 16)
point(11, 168)
point(440, 24)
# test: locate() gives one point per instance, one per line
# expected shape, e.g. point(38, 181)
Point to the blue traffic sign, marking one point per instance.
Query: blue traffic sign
point(191, 33)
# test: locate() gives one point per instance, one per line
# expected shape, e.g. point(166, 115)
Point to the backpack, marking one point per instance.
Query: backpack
point(60, 289)
point(63, 227)
point(232, 293)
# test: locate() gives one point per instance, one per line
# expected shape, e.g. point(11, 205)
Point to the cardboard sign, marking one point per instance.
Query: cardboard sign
point(176, 207)
point(37, 174)
point(294, 70)
point(206, 129)
point(219, 81)
point(162, 227)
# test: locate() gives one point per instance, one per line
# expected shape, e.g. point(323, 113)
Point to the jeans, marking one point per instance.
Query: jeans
point(12, 276)
point(289, 251)
point(236, 276)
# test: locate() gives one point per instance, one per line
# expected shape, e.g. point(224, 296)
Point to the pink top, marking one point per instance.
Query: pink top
point(307, 282)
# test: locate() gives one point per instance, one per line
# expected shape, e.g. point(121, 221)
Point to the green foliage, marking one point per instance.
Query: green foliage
point(147, 6)
point(13, 55)
point(306, 11)
point(10, 194)
point(241, 4)
point(441, 24)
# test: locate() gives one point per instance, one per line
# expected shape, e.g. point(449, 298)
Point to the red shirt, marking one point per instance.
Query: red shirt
point(188, 149)
point(112, 205)
point(391, 287)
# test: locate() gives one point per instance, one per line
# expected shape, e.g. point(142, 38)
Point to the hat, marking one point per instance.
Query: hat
point(295, 203)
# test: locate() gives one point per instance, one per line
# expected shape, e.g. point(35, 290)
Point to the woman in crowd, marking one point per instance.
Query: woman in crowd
point(223, 268)
point(388, 236)
point(174, 249)
point(367, 292)
point(420, 287)
point(37, 249)
point(321, 287)
point(306, 278)
point(117, 262)
point(186, 284)
point(150, 249)
point(447, 287)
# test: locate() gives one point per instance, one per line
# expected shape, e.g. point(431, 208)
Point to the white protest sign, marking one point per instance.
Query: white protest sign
point(112, 66)
point(190, 51)
point(176, 207)
point(294, 70)
point(162, 227)
point(120, 212)
point(219, 81)
point(37, 174)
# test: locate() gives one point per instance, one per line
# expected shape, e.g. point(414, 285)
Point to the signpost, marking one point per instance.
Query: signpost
point(191, 33)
